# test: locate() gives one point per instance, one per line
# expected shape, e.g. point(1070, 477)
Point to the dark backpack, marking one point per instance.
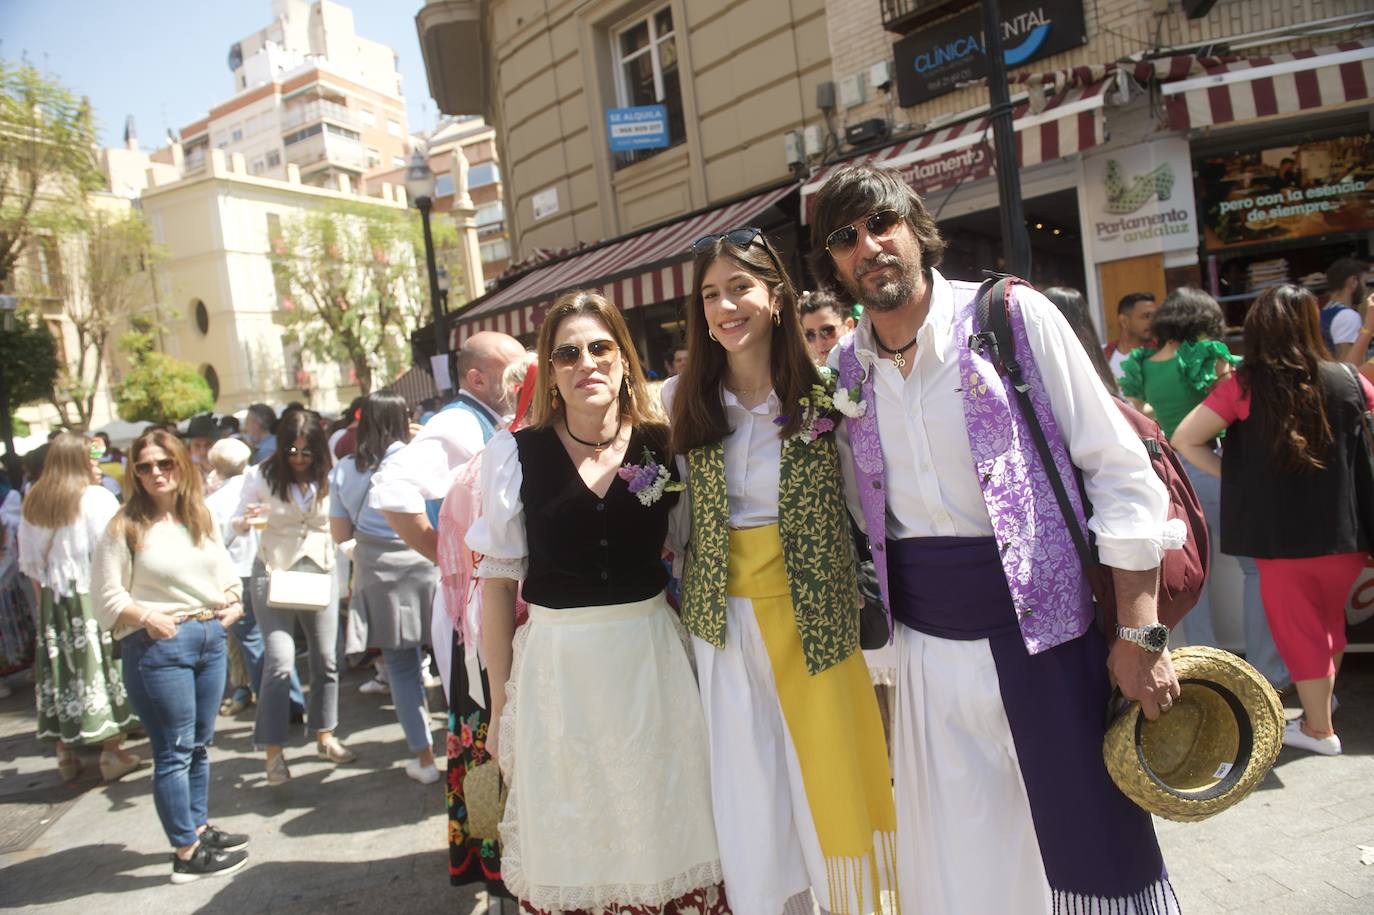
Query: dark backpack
point(1182, 572)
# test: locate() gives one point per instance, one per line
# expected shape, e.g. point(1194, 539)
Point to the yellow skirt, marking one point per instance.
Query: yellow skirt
point(832, 724)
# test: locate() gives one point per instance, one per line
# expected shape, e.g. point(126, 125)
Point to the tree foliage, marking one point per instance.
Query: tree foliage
point(47, 163)
point(158, 388)
point(28, 357)
point(353, 285)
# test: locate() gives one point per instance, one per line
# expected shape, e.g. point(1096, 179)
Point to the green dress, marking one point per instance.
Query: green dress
point(1173, 387)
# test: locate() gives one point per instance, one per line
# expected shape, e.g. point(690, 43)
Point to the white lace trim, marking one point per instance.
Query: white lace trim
point(566, 898)
point(495, 567)
point(1175, 534)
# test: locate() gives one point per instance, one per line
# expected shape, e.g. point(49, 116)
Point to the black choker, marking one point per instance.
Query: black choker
point(897, 358)
point(599, 446)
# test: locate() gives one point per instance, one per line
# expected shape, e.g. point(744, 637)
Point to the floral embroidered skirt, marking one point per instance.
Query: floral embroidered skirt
point(470, 859)
point(79, 684)
point(604, 747)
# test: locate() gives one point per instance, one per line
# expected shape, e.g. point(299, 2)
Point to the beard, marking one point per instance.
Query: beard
point(888, 294)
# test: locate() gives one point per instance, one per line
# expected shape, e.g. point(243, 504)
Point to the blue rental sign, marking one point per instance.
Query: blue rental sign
point(938, 59)
point(641, 127)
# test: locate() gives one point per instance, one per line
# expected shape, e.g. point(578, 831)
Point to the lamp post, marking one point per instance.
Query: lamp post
point(1015, 240)
point(8, 305)
point(420, 182)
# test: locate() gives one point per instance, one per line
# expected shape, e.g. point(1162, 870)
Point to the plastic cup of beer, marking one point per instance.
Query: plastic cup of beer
point(257, 517)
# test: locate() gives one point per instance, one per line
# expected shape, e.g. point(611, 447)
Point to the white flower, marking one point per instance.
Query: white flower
point(654, 491)
point(850, 408)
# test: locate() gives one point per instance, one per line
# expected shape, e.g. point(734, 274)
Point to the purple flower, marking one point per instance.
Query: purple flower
point(823, 425)
point(780, 421)
point(627, 472)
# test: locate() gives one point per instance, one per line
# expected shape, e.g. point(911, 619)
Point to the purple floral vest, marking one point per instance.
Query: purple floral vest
point(1049, 590)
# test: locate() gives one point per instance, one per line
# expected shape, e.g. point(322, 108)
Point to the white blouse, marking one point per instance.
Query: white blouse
point(61, 560)
point(499, 532)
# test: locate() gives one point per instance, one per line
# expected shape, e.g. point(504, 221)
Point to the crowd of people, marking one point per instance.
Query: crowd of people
point(652, 606)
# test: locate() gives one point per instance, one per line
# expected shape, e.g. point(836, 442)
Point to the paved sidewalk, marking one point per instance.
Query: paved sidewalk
point(364, 838)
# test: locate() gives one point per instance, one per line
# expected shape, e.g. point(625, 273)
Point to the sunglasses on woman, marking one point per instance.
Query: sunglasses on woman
point(569, 354)
point(304, 453)
point(842, 242)
point(740, 238)
point(145, 468)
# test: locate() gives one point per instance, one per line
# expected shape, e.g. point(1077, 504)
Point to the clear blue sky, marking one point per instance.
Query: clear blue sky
point(165, 61)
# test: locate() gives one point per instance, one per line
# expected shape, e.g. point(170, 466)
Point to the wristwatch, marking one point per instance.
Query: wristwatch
point(1154, 637)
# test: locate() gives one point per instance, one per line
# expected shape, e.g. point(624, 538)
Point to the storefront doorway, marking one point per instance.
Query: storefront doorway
point(974, 242)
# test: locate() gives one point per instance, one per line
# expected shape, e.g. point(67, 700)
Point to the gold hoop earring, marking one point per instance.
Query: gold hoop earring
point(777, 319)
point(712, 336)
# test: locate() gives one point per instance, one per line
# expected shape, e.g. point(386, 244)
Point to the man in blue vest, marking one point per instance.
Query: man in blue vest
point(409, 486)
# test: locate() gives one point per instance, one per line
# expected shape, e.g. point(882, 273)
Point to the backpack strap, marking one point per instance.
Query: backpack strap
point(998, 344)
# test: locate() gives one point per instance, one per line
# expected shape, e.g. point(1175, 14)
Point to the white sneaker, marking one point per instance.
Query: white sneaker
point(1293, 736)
point(375, 687)
point(425, 775)
point(430, 681)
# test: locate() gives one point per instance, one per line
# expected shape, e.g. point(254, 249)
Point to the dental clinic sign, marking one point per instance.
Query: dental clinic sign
point(1140, 200)
point(936, 60)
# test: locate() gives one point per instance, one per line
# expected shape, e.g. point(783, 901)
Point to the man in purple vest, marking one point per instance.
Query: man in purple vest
point(1003, 801)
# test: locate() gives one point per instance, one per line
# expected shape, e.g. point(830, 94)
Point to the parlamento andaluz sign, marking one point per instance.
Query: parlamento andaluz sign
point(1140, 200)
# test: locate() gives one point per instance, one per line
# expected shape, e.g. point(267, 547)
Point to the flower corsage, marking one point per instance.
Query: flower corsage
point(820, 407)
point(649, 480)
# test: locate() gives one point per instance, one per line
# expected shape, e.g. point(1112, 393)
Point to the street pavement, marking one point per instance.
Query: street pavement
point(364, 838)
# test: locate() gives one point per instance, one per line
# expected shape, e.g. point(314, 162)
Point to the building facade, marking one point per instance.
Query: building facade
point(307, 91)
point(223, 311)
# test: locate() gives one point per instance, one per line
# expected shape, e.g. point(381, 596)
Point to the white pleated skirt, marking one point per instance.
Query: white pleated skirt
point(604, 747)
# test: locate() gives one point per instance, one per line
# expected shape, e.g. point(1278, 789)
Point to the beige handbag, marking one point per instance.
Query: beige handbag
point(485, 798)
point(290, 590)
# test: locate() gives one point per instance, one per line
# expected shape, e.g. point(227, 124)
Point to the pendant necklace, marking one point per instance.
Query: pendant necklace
point(897, 358)
point(597, 446)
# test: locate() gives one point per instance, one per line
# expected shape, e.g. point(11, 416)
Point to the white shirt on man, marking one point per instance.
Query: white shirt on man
point(425, 468)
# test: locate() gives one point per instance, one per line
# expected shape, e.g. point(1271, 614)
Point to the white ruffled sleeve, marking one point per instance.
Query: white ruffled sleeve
point(498, 534)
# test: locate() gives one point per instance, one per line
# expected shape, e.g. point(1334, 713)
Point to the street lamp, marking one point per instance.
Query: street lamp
point(420, 183)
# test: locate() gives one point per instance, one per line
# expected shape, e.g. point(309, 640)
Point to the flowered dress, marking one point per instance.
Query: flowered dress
point(79, 683)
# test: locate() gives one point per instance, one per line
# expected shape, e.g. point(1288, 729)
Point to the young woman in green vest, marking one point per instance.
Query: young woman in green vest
point(800, 782)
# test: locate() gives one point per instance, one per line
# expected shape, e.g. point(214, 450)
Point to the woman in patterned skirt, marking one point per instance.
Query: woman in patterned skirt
point(80, 685)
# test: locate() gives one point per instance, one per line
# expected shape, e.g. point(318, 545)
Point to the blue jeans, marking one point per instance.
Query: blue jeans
point(176, 685)
point(1198, 627)
point(250, 640)
point(403, 667)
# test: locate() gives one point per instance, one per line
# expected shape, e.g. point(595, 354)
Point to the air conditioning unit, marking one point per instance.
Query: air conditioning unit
point(872, 130)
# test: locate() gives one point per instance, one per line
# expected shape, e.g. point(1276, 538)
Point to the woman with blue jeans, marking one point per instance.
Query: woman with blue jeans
point(1173, 379)
point(165, 587)
point(393, 586)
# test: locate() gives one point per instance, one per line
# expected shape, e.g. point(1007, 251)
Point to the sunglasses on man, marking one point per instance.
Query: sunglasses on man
point(842, 242)
point(824, 332)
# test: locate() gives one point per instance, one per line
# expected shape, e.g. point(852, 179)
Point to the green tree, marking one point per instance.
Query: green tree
point(157, 387)
point(47, 162)
point(111, 287)
point(351, 281)
point(28, 359)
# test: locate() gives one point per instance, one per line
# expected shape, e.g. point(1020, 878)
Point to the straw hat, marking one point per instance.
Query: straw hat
point(1210, 750)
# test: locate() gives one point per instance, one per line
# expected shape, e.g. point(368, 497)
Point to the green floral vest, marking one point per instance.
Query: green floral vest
point(818, 550)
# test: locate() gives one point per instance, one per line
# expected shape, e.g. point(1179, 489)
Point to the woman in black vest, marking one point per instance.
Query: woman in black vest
point(1294, 443)
point(595, 717)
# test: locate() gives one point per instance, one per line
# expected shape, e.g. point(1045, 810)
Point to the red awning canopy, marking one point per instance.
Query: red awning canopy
point(1066, 124)
point(1203, 92)
point(633, 271)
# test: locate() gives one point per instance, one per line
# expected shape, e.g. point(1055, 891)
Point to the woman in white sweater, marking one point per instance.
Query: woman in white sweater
point(164, 584)
point(81, 699)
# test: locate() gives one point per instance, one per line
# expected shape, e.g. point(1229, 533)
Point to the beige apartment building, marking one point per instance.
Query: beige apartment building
point(307, 91)
point(216, 285)
point(1142, 126)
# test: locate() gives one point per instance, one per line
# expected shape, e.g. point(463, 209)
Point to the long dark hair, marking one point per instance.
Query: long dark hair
point(1283, 354)
point(140, 511)
point(385, 419)
point(277, 471)
point(1074, 308)
point(698, 414)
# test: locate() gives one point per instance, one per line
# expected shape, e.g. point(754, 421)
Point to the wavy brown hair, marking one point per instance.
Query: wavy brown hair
point(55, 500)
point(1283, 354)
point(634, 395)
point(698, 413)
point(140, 512)
point(276, 470)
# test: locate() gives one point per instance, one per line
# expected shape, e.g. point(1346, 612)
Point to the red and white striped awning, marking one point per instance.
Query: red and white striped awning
point(631, 272)
point(1067, 124)
point(1258, 87)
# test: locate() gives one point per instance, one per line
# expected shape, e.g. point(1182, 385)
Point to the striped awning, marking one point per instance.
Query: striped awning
point(632, 271)
point(1244, 90)
point(939, 159)
point(415, 385)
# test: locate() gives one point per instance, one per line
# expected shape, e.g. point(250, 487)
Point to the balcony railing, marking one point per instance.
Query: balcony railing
point(327, 147)
point(905, 16)
point(318, 110)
